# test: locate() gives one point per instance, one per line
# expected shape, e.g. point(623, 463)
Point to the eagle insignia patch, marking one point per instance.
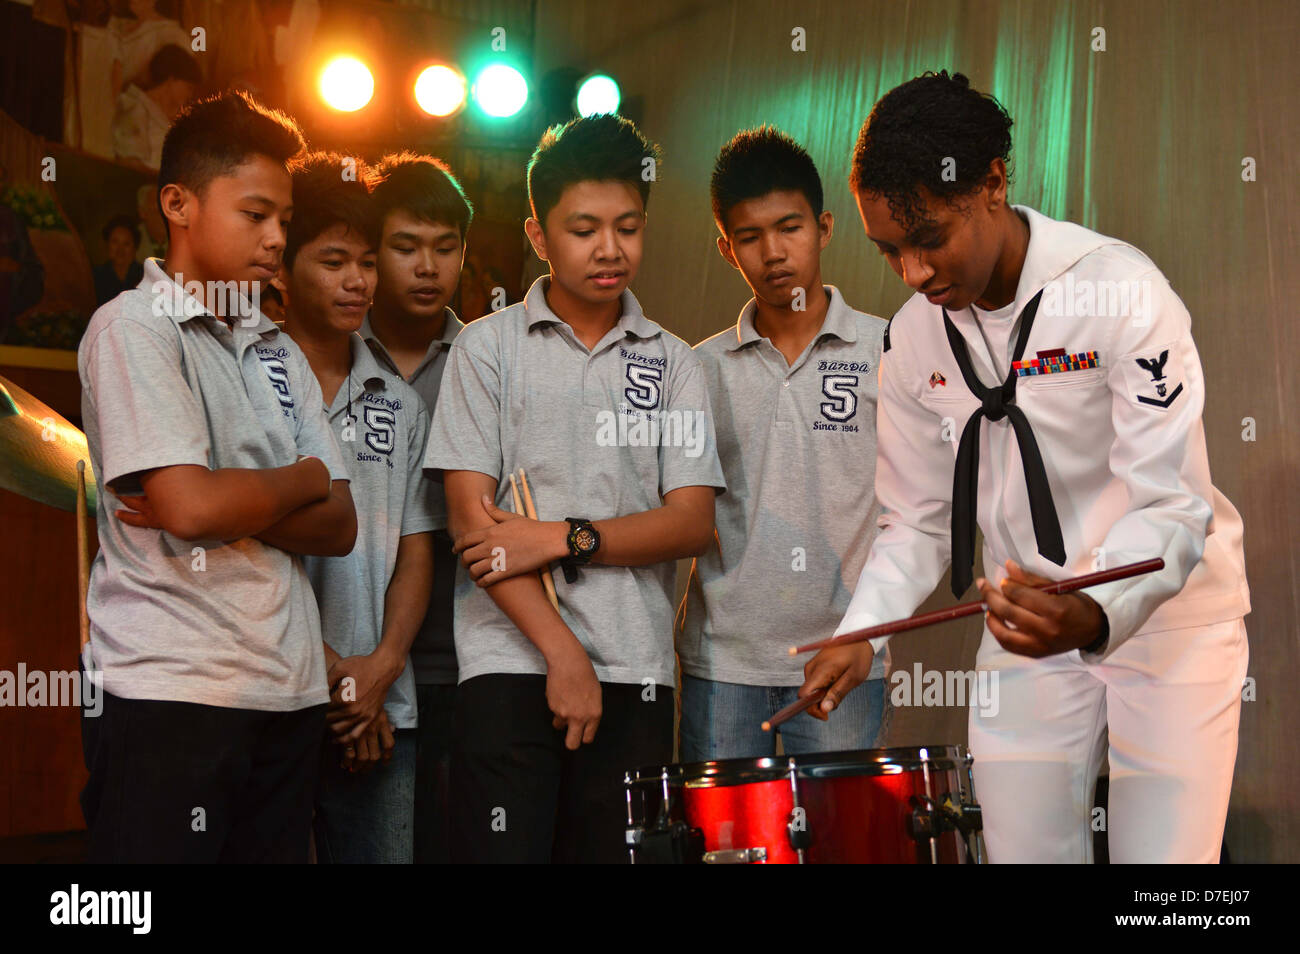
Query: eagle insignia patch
point(1155, 378)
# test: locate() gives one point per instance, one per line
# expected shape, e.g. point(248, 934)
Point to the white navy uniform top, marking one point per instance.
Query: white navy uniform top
point(1111, 384)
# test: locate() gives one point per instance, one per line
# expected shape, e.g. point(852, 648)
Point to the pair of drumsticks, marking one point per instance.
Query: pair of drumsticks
point(527, 508)
point(943, 616)
point(871, 632)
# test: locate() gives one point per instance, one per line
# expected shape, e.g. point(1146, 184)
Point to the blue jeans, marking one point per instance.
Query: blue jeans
point(723, 720)
point(369, 817)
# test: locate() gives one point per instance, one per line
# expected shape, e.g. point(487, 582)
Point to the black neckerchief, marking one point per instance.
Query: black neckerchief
point(997, 403)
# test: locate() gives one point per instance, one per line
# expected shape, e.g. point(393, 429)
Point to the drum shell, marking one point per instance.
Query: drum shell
point(856, 807)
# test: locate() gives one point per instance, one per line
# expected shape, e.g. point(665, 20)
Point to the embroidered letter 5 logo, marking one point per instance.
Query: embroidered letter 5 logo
point(382, 424)
point(843, 403)
point(279, 375)
point(645, 389)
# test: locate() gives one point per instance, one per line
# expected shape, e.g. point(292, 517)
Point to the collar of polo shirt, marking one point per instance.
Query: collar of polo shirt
point(451, 327)
point(364, 366)
point(173, 303)
point(839, 321)
point(632, 320)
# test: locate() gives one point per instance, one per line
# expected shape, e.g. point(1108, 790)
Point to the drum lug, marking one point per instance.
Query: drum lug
point(964, 816)
point(735, 856)
point(923, 825)
point(673, 844)
point(799, 835)
point(927, 822)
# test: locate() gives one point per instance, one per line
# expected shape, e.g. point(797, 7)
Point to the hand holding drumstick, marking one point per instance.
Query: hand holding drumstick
point(573, 691)
point(545, 571)
point(515, 543)
point(1031, 616)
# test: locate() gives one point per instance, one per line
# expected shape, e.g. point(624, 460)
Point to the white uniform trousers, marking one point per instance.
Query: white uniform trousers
point(1167, 704)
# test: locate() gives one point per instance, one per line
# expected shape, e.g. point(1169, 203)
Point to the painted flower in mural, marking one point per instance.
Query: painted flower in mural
point(34, 206)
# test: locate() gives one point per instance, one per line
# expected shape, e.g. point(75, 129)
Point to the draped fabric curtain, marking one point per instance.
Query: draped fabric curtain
point(1145, 140)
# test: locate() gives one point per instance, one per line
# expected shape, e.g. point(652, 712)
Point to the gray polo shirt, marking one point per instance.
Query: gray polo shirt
point(433, 654)
point(601, 433)
point(233, 623)
point(798, 448)
point(381, 426)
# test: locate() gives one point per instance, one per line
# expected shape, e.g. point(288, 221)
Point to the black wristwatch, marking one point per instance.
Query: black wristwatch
point(584, 541)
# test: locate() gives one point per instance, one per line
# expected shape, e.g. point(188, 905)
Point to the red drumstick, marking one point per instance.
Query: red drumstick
point(792, 710)
point(970, 609)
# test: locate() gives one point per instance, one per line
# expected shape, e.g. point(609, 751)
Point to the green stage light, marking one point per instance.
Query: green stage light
point(500, 90)
point(598, 94)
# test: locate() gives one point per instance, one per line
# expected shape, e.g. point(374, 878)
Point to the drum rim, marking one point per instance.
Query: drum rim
point(884, 761)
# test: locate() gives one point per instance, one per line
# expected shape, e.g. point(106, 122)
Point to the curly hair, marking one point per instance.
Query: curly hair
point(913, 132)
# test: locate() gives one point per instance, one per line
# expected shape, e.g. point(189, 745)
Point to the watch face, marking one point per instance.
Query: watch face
point(584, 540)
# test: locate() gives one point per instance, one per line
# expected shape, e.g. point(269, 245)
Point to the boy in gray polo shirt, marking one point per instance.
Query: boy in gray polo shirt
point(205, 423)
point(608, 415)
point(410, 328)
point(372, 600)
point(793, 386)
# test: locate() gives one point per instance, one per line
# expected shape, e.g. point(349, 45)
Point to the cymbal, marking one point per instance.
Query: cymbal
point(39, 450)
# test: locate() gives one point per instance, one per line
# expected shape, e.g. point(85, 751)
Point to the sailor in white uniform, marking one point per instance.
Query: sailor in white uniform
point(1043, 383)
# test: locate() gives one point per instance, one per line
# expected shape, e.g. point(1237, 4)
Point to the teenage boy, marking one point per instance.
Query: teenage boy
point(1057, 366)
point(793, 388)
point(372, 600)
point(425, 219)
point(205, 423)
point(608, 416)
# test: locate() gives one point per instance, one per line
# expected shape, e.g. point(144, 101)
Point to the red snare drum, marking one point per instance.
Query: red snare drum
point(878, 806)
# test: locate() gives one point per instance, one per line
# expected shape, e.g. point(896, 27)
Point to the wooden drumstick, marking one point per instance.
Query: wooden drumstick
point(970, 609)
point(792, 710)
point(83, 556)
point(529, 511)
point(532, 513)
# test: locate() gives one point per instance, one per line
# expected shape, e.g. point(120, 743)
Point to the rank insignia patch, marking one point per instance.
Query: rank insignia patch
point(1155, 378)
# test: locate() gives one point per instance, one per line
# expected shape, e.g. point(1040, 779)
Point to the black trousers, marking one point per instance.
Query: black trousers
point(435, 706)
point(183, 782)
point(518, 795)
